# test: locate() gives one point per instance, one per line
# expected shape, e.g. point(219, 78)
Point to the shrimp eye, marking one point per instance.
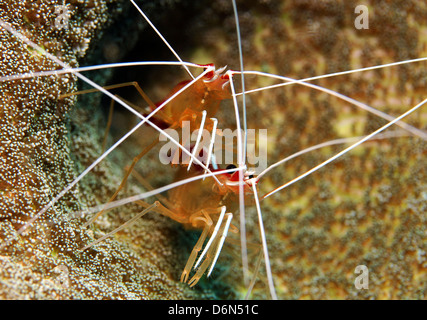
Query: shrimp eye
point(231, 166)
point(210, 74)
point(251, 176)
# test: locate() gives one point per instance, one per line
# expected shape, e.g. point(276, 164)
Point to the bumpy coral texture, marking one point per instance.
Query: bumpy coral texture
point(38, 131)
point(367, 208)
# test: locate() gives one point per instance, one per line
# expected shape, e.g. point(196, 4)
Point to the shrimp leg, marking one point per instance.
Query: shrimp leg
point(194, 252)
point(203, 215)
point(122, 184)
point(128, 223)
point(212, 252)
point(134, 161)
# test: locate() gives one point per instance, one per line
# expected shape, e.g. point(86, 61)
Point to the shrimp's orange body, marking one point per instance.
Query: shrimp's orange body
point(190, 199)
point(201, 204)
point(205, 94)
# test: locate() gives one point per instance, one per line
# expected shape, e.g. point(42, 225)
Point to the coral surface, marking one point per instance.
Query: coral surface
point(44, 145)
point(367, 208)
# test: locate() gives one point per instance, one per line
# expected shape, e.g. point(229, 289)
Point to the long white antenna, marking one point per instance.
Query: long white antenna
point(161, 37)
point(245, 265)
point(244, 250)
point(145, 119)
point(346, 150)
point(413, 130)
point(27, 75)
point(264, 244)
point(144, 195)
point(93, 84)
point(239, 43)
point(386, 135)
point(392, 64)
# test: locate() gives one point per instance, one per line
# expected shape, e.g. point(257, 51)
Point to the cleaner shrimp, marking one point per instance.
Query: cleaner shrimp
point(363, 209)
